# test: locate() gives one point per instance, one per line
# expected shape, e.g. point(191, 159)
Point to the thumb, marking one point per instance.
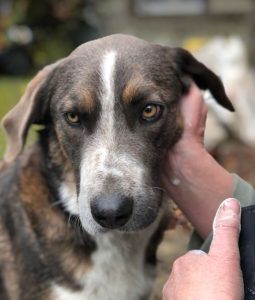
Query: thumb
point(226, 229)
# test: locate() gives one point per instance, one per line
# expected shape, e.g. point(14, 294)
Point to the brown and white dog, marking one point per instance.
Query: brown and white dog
point(82, 211)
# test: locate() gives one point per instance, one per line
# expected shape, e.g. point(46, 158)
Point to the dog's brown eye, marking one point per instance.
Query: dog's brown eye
point(152, 112)
point(72, 118)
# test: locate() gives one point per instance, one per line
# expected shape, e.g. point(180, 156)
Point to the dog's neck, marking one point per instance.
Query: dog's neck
point(120, 261)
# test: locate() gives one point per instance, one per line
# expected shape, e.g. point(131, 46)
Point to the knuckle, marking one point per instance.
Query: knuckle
point(178, 263)
point(183, 260)
point(226, 226)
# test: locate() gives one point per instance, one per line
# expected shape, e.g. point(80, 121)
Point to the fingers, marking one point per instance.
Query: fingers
point(194, 94)
point(192, 99)
point(226, 229)
point(194, 111)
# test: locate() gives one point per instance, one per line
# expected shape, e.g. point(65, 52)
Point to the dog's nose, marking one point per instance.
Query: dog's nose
point(112, 211)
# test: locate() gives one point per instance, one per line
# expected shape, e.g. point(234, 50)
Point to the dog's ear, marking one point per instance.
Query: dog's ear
point(202, 76)
point(27, 111)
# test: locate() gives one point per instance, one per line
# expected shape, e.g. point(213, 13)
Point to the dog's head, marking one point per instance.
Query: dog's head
point(111, 112)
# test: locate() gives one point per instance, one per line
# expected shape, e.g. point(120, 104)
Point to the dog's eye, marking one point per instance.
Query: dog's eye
point(152, 112)
point(72, 118)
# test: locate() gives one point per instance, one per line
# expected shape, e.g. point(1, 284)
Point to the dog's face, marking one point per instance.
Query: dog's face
point(111, 112)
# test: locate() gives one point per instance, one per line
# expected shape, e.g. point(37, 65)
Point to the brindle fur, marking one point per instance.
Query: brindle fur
point(40, 242)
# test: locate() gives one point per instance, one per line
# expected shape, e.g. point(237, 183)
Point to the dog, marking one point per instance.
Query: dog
point(83, 209)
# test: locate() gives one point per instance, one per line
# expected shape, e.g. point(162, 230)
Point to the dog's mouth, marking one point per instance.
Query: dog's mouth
point(117, 212)
point(124, 211)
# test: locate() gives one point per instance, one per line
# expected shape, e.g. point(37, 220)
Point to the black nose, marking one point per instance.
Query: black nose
point(112, 211)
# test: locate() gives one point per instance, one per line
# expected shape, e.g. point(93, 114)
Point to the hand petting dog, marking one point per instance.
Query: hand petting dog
point(201, 180)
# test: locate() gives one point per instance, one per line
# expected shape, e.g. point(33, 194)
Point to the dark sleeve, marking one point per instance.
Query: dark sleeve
point(243, 192)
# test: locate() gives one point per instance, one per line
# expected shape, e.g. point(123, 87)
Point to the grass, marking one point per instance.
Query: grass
point(11, 90)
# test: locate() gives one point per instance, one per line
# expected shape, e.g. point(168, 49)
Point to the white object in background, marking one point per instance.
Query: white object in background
point(227, 57)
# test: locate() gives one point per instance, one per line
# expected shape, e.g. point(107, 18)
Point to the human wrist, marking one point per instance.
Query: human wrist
point(195, 177)
point(194, 171)
point(185, 159)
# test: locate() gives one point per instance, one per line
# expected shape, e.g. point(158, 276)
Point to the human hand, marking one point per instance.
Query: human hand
point(190, 147)
point(191, 176)
point(194, 112)
point(216, 275)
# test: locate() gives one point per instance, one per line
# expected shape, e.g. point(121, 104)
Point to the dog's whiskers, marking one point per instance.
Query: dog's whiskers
point(146, 186)
point(56, 203)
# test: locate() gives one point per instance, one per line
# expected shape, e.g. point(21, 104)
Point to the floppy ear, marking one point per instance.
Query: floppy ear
point(203, 77)
point(17, 121)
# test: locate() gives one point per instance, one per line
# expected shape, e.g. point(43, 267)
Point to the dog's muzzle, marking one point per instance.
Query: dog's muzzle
point(116, 192)
point(112, 211)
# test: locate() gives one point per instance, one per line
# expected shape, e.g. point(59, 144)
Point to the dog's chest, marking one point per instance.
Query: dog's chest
point(118, 272)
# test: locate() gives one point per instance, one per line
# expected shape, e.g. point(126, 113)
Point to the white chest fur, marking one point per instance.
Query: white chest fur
point(118, 271)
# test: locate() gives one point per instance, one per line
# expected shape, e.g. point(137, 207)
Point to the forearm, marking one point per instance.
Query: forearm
point(195, 181)
point(198, 185)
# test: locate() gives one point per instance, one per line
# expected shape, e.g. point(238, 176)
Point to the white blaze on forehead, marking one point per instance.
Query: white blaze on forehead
point(107, 70)
point(103, 157)
point(107, 93)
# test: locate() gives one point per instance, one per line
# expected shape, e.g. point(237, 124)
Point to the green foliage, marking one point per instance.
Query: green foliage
point(11, 90)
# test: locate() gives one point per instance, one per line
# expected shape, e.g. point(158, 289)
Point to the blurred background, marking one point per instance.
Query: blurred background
point(220, 33)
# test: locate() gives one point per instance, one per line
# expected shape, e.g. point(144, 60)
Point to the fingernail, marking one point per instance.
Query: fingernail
point(231, 205)
point(229, 209)
point(198, 252)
